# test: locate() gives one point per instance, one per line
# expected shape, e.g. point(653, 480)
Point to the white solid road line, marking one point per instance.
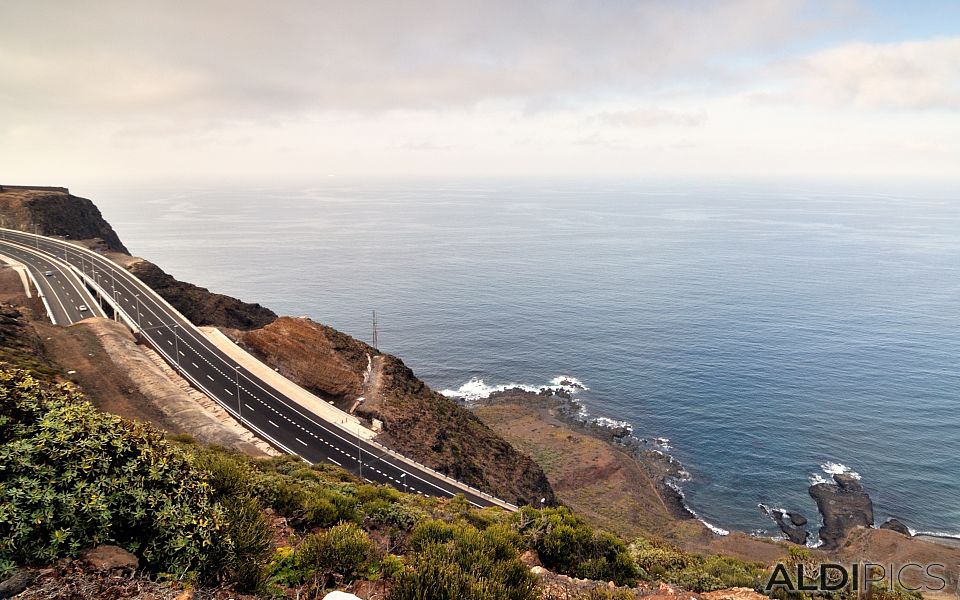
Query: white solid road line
point(128, 282)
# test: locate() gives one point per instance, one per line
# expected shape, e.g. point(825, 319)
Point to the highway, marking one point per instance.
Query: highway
point(64, 292)
point(261, 408)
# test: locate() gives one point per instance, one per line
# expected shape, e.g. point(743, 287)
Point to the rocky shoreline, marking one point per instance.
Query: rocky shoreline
point(665, 471)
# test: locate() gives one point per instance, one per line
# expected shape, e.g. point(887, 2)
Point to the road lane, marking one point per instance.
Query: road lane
point(275, 418)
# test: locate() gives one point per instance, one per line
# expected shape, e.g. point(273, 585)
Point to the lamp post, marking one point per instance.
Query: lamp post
point(138, 312)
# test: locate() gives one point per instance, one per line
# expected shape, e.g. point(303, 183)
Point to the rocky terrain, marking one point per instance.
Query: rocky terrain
point(416, 420)
point(59, 213)
point(844, 506)
point(199, 304)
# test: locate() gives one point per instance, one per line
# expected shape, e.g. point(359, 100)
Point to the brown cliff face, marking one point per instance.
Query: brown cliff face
point(200, 305)
point(438, 432)
point(417, 421)
point(318, 358)
point(56, 213)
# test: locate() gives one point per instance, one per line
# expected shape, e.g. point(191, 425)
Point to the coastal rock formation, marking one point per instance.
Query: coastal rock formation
point(792, 524)
point(445, 436)
point(844, 507)
point(417, 421)
point(320, 359)
point(54, 211)
point(200, 305)
point(894, 524)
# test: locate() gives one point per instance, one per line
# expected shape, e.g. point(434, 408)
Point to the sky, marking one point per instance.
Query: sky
point(131, 90)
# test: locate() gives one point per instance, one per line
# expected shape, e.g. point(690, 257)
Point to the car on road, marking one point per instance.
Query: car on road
point(48, 273)
point(82, 307)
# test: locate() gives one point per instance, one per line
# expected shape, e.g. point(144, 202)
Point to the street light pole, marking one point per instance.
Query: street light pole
point(138, 313)
point(359, 453)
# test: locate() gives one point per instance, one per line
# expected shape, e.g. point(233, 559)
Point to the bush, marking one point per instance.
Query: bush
point(72, 477)
point(567, 545)
point(471, 565)
point(694, 572)
point(282, 570)
point(248, 544)
point(340, 552)
point(430, 531)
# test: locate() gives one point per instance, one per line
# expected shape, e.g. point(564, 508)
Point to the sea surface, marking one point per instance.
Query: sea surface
point(772, 332)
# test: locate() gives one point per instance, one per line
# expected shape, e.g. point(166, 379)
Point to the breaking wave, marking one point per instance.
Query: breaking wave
point(683, 499)
point(475, 389)
point(832, 468)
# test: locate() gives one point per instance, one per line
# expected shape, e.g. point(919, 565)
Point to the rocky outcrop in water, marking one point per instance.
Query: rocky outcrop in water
point(792, 524)
point(844, 506)
point(894, 524)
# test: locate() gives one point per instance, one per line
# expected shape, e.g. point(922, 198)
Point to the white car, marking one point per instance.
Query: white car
point(48, 273)
point(82, 307)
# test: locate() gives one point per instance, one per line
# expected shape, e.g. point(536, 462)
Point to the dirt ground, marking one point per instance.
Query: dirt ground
point(121, 377)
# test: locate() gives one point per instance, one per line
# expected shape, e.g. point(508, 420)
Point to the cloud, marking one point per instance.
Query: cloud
point(911, 76)
point(651, 117)
point(248, 59)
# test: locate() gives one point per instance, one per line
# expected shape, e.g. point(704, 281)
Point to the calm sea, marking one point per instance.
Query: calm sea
point(771, 332)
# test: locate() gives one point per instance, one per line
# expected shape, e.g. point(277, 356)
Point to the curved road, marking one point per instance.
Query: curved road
point(257, 405)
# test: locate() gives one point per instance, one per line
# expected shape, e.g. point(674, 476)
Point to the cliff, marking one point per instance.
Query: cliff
point(54, 211)
point(417, 421)
point(199, 304)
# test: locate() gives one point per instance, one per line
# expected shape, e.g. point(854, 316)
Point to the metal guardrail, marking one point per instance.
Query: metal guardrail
point(174, 363)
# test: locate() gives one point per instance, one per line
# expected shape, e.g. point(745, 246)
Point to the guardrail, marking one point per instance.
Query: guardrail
point(131, 323)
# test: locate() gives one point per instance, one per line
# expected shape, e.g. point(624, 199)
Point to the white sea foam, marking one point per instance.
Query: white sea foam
point(939, 534)
point(613, 423)
point(683, 500)
point(476, 389)
point(833, 468)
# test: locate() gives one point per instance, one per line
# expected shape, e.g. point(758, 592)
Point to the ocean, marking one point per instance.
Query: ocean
point(771, 333)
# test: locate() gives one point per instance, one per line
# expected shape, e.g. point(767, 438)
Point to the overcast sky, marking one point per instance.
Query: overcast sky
point(136, 90)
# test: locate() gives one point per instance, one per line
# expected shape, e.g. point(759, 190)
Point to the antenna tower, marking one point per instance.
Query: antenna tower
point(375, 340)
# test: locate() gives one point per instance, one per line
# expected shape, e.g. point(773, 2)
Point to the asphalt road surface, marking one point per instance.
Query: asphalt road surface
point(254, 403)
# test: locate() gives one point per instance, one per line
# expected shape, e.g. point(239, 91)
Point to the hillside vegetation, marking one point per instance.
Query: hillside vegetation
point(72, 477)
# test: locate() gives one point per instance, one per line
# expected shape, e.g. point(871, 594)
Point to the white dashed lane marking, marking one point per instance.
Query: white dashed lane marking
point(272, 423)
point(248, 406)
point(301, 441)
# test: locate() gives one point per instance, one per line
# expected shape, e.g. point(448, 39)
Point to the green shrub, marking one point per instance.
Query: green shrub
point(283, 570)
point(694, 572)
point(430, 531)
point(471, 565)
point(72, 477)
point(229, 475)
point(340, 552)
point(382, 513)
point(567, 545)
point(248, 544)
